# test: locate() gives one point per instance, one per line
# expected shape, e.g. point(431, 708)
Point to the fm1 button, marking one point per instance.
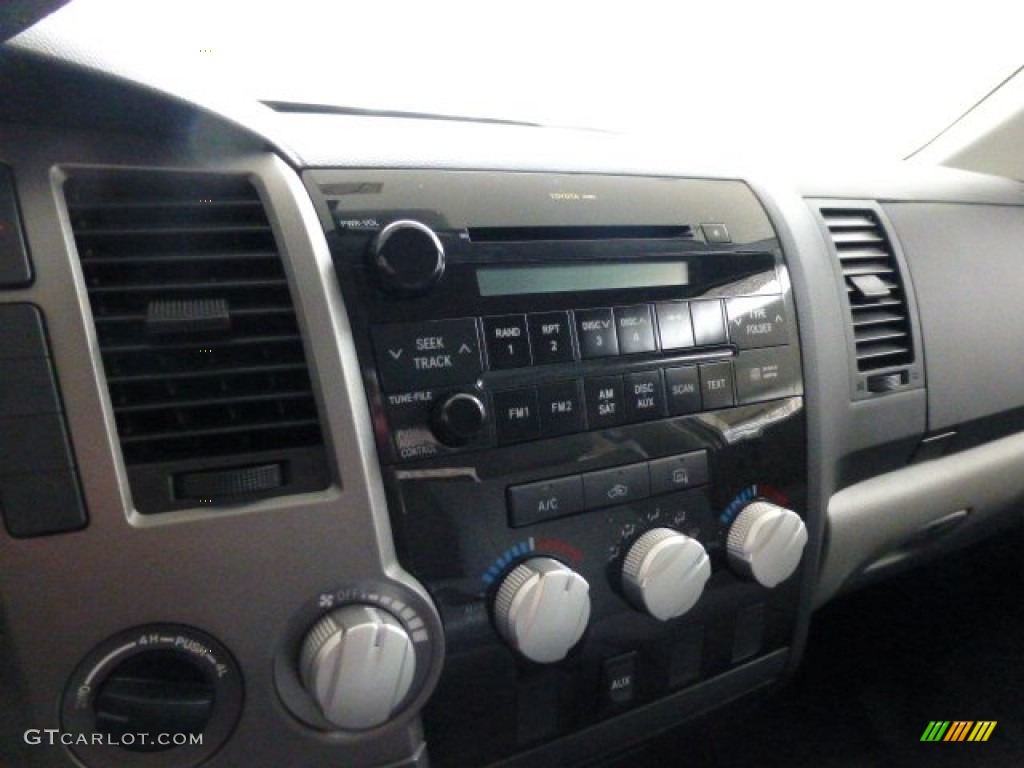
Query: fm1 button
point(515, 415)
point(536, 502)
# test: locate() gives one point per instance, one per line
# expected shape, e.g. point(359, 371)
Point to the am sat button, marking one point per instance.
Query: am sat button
point(604, 401)
point(546, 500)
point(677, 473)
point(618, 485)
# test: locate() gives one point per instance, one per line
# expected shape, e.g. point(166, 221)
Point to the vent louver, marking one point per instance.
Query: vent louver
point(199, 337)
point(878, 304)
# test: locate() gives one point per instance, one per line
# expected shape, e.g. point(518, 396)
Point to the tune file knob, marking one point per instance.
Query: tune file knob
point(358, 663)
point(766, 542)
point(665, 572)
point(542, 608)
point(458, 419)
point(407, 257)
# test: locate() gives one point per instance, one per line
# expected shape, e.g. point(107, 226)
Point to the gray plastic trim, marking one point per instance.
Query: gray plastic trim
point(883, 519)
point(240, 574)
point(966, 259)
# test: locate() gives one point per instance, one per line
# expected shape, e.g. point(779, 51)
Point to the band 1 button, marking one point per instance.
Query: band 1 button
point(508, 343)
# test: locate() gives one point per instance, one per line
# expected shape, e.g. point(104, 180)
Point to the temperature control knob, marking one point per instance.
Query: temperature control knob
point(766, 542)
point(407, 257)
point(458, 419)
point(665, 572)
point(358, 664)
point(542, 608)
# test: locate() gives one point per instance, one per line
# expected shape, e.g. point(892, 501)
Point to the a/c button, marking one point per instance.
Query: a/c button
point(548, 499)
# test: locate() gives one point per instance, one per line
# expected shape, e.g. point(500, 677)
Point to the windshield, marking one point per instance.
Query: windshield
point(787, 81)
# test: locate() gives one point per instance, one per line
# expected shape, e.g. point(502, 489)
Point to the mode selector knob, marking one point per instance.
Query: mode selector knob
point(665, 572)
point(458, 419)
point(542, 608)
point(357, 663)
point(766, 542)
point(407, 257)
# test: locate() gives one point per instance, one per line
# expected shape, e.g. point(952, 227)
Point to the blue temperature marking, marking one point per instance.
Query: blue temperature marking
point(747, 494)
point(505, 558)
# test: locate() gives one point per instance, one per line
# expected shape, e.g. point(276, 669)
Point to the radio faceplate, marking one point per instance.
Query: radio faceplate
point(582, 391)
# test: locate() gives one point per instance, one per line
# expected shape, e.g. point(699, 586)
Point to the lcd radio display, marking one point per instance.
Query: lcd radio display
point(562, 278)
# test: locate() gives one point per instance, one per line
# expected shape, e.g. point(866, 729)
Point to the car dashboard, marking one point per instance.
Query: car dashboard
point(350, 439)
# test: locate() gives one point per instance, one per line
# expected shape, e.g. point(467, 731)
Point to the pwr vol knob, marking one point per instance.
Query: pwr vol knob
point(542, 608)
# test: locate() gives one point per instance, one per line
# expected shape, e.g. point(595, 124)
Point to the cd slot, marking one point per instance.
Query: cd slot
point(552, 233)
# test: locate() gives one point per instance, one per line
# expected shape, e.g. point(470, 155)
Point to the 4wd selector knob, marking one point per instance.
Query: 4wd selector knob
point(542, 608)
point(766, 542)
point(407, 257)
point(665, 572)
point(358, 664)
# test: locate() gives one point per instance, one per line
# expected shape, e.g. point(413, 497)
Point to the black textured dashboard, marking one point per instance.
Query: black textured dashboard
point(354, 440)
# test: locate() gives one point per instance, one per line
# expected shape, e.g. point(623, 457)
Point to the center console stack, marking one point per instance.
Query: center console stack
point(588, 405)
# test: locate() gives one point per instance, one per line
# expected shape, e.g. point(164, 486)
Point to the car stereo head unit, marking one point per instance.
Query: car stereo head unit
point(587, 399)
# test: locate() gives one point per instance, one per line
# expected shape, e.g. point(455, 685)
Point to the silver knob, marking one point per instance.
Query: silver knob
point(665, 572)
point(542, 608)
point(358, 664)
point(766, 543)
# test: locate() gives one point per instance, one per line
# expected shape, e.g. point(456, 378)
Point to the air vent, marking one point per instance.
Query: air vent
point(878, 304)
point(199, 337)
